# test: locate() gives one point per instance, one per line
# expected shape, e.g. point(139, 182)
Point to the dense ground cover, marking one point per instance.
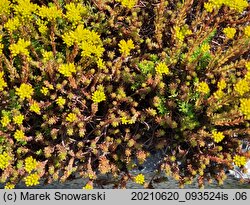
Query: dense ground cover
point(94, 86)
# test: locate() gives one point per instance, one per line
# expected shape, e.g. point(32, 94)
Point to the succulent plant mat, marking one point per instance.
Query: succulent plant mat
point(96, 87)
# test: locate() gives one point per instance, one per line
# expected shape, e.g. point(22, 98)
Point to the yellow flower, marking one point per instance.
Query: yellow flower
point(18, 119)
point(125, 120)
point(203, 87)
point(32, 180)
point(248, 65)
point(239, 160)
point(25, 8)
point(5, 120)
point(139, 179)
point(89, 41)
point(1, 48)
point(42, 26)
point(12, 24)
point(245, 107)
point(125, 47)
point(208, 7)
point(247, 31)
point(30, 164)
point(60, 101)
point(74, 12)
point(8, 185)
point(88, 186)
point(229, 32)
point(19, 135)
point(20, 47)
point(222, 84)
point(205, 47)
point(162, 68)
point(44, 90)
point(51, 13)
point(4, 7)
point(219, 94)
point(35, 108)
point(99, 95)
point(238, 5)
point(5, 159)
point(100, 63)
point(70, 131)
point(47, 55)
point(128, 3)
point(71, 117)
point(217, 136)
point(180, 33)
point(242, 86)
point(67, 69)
point(25, 91)
point(3, 84)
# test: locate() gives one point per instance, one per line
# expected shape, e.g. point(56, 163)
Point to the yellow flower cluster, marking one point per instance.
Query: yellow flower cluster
point(18, 119)
point(25, 8)
point(222, 84)
point(60, 101)
point(32, 180)
point(247, 31)
point(229, 32)
point(203, 87)
point(35, 108)
point(30, 164)
point(128, 3)
point(181, 33)
point(208, 7)
point(219, 93)
point(125, 47)
point(71, 117)
point(20, 47)
point(12, 24)
point(4, 160)
point(42, 26)
point(205, 47)
point(51, 13)
point(100, 64)
point(4, 7)
point(89, 41)
point(47, 55)
point(1, 48)
point(125, 120)
point(1, 45)
point(44, 90)
point(5, 120)
point(19, 135)
point(242, 87)
point(3, 84)
point(70, 131)
point(88, 186)
point(74, 12)
point(248, 65)
point(239, 160)
point(245, 107)
point(67, 69)
point(217, 136)
point(139, 179)
point(162, 68)
point(238, 5)
point(99, 95)
point(9, 185)
point(25, 91)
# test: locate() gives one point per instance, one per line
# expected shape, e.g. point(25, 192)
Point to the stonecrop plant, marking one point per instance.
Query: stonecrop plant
point(93, 87)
